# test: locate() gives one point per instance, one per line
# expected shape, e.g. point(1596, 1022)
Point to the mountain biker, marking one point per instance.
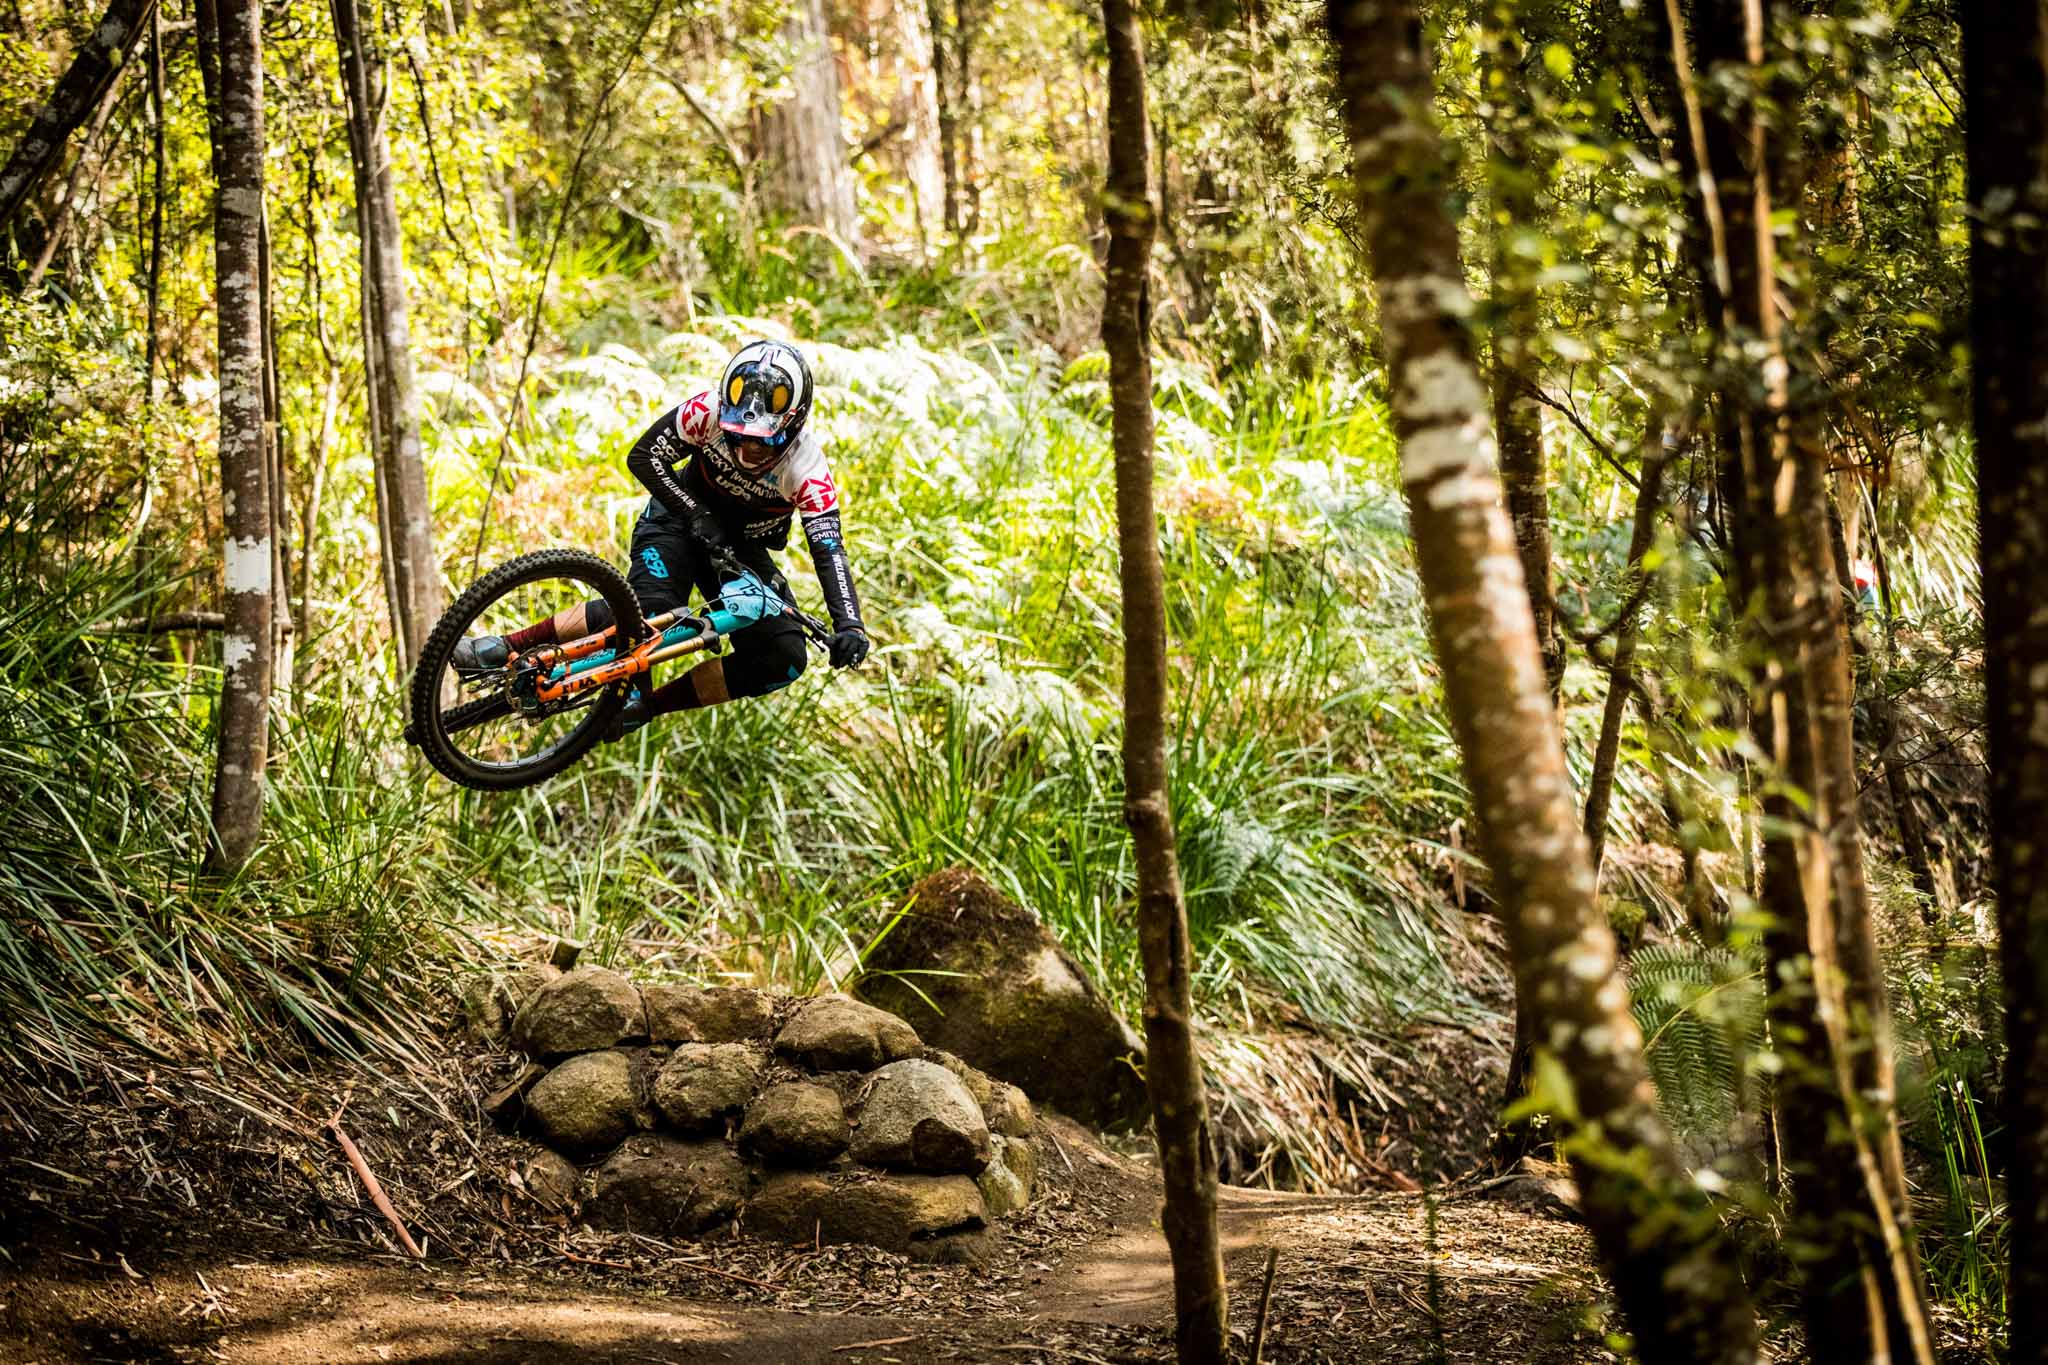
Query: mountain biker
point(726, 470)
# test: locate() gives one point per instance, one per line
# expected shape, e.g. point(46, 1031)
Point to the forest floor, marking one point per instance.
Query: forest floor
point(166, 1215)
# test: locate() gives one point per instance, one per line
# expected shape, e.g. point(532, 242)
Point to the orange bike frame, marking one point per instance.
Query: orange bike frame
point(641, 659)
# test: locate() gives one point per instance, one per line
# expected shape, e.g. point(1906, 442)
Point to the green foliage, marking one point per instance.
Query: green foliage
point(1701, 1014)
point(1323, 826)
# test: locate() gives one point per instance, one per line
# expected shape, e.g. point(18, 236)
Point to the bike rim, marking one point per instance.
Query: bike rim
point(493, 723)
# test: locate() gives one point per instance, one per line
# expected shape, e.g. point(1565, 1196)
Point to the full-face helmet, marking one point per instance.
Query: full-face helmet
point(763, 401)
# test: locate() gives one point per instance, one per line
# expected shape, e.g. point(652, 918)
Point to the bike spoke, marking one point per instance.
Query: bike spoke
point(507, 726)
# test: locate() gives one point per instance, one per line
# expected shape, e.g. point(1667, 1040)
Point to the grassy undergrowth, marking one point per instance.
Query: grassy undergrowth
point(1315, 785)
point(768, 841)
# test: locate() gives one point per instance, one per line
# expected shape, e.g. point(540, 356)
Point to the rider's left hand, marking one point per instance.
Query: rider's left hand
point(849, 645)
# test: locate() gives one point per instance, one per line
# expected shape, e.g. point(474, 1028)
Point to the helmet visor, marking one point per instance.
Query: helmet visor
point(758, 403)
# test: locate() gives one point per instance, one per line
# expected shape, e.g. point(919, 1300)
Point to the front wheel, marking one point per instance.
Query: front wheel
point(484, 733)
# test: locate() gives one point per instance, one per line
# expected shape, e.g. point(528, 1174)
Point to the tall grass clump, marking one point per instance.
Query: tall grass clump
point(109, 930)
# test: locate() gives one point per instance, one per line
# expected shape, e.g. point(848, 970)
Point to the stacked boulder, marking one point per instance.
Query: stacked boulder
point(673, 1110)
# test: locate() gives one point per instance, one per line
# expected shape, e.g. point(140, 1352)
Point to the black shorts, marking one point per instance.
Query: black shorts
point(667, 562)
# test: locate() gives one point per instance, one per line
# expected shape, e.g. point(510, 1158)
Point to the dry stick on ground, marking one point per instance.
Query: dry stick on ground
point(369, 1179)
point(1663, 1247)
point(1173, 1069)
point(1265, 1307)
point(2006, 82)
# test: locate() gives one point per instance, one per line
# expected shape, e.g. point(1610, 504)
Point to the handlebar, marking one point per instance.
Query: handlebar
point(730, 564)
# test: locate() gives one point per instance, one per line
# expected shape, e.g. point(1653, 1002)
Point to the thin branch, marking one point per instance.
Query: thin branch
point(165, 624)
point(881, 135)
point(702, 110)
point(1601, 445)
point(547, 270)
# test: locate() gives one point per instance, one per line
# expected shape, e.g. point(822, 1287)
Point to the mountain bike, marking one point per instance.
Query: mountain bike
point(503, 729)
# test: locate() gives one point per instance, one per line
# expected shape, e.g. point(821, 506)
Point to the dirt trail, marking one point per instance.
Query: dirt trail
point(156, 1221)
point(1353, 1284)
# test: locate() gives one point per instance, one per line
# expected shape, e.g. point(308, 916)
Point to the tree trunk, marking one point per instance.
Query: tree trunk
point(84, 84)
point(1672, 1271)
point(1517, 419)
point(1518, 426)
point(1600, 786)
point(1526, 485)
point(967, 106)
point(245, 648)
point(917, 98)
point(811, 178)
point(1860, 1289)
point(282, 637)
point(2005, 78)
point(1885, 712)
point(1173, 1071)
point(156, 202)
point(947, 110)
point(414, 574)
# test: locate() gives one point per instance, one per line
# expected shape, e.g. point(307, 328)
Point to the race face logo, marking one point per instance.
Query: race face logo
point(696, 422)
point(817, 495)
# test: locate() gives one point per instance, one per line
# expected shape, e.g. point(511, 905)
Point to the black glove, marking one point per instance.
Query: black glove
point(706, 530)
point(849, 645)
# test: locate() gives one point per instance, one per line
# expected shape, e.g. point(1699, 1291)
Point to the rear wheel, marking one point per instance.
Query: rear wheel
point(487, 732)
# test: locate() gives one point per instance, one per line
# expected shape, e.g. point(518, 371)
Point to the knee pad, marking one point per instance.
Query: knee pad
point(767, 662)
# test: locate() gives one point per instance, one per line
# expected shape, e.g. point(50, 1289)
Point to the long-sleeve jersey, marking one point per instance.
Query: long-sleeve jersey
point(685, 463)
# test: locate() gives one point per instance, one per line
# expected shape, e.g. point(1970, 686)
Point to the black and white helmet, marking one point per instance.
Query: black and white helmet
point(765, 395)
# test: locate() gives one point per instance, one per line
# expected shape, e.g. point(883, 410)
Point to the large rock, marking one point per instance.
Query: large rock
point(839, 1033)
point(1007, 1181)
point(918, 1116)
point(795, 1124)
point(977, 1082)
point(1008, 1112)
point(719, 1014)
point(992, 986)
point(701, 1083)
point(491, 1000)
point(917, 1214)
point(551, 1178)
point(657, 1185)
point(580, 1011)
point(586, 1104)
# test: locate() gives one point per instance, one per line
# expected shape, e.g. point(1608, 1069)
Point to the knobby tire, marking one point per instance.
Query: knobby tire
point(434, 729)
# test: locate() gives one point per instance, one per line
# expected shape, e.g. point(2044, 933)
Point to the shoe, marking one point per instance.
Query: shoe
point(635, 713)
point(479, 658)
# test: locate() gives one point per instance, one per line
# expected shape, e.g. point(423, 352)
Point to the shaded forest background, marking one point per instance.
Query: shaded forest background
point(595, 204)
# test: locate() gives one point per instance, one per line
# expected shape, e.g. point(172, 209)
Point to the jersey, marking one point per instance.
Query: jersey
point(685, 462)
